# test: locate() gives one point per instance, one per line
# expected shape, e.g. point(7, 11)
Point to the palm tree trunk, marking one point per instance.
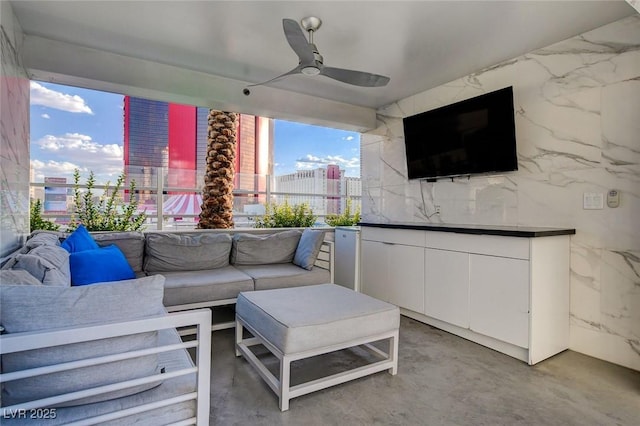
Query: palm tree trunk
point(217, 194)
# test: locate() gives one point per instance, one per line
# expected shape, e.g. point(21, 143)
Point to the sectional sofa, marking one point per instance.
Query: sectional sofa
point(111, 349)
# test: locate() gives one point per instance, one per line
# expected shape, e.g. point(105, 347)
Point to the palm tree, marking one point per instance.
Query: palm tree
point(217, 194)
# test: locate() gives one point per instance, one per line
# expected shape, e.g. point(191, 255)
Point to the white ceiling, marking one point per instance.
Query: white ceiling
point(418, 44)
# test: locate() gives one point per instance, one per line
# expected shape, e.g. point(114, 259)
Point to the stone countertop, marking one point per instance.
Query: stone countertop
point(505, 231)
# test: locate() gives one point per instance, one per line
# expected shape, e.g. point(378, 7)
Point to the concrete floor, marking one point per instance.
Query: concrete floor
point(442, 380)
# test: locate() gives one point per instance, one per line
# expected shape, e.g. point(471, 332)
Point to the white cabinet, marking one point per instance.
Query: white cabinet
point(394, 269)
point(375, 271)
point(499, 298)
point(406, 276)
point(446, 294)
point(509, 293)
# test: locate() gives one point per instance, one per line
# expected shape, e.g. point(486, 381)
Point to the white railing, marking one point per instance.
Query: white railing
point(251, 194)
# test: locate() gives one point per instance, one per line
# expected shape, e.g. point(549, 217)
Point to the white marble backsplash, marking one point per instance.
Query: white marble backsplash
point(14, 134)
point(578, 130)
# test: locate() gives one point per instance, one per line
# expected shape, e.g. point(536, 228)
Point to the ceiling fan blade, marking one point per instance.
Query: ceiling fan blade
point(297, 40)
point(296, 70)
point(357, 78)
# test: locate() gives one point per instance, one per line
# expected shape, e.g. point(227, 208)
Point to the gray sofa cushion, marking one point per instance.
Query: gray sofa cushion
point(186, 252)
point(204, 286)
point(17, 277)
point(308, 248)
point(249, 249)
point(284, 275)
point(33, 308)
point(47, 263)
point(130, 243)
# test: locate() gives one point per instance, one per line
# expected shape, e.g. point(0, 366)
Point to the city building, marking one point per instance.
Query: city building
point(324, 189)
point(174, 137)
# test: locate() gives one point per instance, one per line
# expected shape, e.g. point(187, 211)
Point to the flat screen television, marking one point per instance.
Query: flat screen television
point(474, 136)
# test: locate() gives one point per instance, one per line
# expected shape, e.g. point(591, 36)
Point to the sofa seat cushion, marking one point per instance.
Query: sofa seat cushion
point(250, 249)
point(167, 252)
point(40, 308)
point(284, 275)
point(204, 286)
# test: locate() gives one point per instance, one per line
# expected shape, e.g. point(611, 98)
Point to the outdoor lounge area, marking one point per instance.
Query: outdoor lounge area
point(504, 297)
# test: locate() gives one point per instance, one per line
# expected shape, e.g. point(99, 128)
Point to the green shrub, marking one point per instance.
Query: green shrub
point(286, 216)
point(110, 212)
point(344, 219)
point(36, 221)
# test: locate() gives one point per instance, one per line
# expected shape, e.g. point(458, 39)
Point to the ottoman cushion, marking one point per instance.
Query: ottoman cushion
point(304, 318)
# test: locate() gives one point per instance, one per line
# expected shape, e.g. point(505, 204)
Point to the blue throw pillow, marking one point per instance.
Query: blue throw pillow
point(79, 240)
point(99, 265)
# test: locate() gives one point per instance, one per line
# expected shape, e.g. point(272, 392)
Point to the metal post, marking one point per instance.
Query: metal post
point(159, 197)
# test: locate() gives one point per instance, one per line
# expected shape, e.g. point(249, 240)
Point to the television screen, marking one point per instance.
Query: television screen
point(473, 136)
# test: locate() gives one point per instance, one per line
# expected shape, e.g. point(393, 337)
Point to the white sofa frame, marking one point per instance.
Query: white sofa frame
point(201, 319)
point(325, 260)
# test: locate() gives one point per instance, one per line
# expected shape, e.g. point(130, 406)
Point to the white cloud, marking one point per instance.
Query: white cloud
point(41, 95)
point(348, 138)
point(60, 155)
point(47, 116)
point(311, 162)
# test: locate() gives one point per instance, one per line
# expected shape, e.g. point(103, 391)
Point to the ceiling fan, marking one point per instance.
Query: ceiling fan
point(311, 61)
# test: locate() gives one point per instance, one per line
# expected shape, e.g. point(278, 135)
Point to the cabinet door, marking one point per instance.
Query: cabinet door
point(406, 276)
point(373, 266)
point(499, 298)
point(446, 276)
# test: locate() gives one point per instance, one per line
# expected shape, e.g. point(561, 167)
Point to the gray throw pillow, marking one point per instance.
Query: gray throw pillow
point(43, 238)
point(40, 308)
point(186, 252)
point(308, 248)
point(251, 249)
point(48, 264)
point(17, 277)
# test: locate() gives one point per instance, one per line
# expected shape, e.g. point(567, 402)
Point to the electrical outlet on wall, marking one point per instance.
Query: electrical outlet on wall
point(593, 201)
point(437, 209)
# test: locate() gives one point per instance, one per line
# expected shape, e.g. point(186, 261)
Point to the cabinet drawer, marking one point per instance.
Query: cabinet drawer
point(491, 245)
point(408, 237)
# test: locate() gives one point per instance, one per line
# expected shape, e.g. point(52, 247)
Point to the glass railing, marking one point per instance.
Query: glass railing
point(172, 199)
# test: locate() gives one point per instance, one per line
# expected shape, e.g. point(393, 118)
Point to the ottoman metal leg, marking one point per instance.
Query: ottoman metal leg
point(281, 385)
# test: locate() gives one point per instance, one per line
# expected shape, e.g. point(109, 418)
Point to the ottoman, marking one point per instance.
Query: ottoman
point(301, 322)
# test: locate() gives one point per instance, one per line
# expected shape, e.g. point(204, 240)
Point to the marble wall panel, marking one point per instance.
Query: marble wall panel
point(577, 106)
point(14, 135)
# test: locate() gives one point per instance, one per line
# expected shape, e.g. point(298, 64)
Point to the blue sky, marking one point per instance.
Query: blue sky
point(81, 128)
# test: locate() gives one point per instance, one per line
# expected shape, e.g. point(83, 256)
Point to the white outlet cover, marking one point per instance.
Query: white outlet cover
point(593, 201)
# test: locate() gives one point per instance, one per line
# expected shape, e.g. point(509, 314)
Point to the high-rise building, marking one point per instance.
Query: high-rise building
point(174, 137)
point(330, 187)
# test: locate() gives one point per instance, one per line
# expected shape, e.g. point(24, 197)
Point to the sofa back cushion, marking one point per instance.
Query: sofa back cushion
point(130, 243)
point(186, 252)
point(251, 249)
point(26, 308)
